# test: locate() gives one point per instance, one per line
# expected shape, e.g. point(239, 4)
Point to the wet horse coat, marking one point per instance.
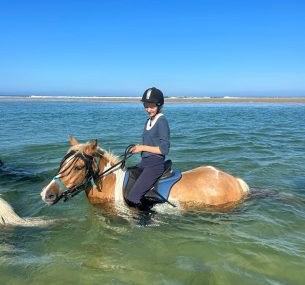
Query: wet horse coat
point(202, 187)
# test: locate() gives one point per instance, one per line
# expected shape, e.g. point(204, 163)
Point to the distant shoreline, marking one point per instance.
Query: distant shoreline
point(167, 100)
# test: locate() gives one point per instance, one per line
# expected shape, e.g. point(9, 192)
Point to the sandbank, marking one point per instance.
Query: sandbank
point(167, 100)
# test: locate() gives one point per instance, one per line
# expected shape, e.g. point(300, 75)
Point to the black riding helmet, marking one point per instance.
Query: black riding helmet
point(153, 95)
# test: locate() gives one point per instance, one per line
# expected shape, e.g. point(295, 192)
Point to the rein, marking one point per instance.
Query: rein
point(91, 176)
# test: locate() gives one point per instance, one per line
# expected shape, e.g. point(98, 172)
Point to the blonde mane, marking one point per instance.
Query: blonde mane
point(112, 158)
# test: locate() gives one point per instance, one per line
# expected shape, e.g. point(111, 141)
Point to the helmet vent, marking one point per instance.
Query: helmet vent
point(148, 94)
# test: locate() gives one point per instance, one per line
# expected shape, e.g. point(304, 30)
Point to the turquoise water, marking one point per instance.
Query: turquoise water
point(262, 241)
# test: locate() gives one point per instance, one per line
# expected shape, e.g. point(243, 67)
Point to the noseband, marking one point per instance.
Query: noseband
point(91, 176)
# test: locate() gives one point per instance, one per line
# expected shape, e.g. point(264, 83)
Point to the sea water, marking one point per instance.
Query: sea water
point(261, 241)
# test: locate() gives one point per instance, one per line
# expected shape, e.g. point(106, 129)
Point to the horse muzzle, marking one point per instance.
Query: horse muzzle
point(50, 196)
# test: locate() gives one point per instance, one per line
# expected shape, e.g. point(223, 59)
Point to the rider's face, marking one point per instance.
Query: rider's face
point(151, 109)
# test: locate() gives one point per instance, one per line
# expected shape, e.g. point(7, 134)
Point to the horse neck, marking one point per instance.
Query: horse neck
point(107, 161)
point(108, 187)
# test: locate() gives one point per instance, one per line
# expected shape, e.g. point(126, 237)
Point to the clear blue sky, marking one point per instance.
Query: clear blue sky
point(120, 47)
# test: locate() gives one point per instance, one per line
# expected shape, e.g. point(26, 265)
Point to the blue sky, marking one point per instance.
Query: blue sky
point(120, 47)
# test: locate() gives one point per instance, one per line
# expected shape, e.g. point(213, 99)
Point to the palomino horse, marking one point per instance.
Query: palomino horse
point(85, 165)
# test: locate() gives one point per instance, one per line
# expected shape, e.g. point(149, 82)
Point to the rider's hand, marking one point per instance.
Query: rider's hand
point(137, 148)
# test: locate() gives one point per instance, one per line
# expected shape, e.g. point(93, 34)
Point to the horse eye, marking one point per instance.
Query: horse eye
point(78, 168)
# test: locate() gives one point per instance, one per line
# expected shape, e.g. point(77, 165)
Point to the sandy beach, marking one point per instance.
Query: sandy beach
point(167, 100)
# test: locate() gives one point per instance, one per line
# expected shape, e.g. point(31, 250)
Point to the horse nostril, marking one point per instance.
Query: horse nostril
point(51, 196)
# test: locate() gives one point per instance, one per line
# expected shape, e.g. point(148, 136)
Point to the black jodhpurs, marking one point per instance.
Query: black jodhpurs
point(152, 168)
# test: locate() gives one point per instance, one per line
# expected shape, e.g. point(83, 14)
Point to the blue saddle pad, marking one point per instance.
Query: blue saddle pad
point(159, 193)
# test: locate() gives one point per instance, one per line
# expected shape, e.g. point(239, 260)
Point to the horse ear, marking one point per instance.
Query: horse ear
point(91, 147)
point(73, 141)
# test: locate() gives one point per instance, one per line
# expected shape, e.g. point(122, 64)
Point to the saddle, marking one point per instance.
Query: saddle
point(160, 191)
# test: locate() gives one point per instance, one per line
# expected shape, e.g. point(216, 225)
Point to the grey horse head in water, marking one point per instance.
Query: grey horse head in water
point(9, 217)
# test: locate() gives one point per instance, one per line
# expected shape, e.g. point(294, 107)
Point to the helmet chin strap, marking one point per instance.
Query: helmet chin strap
point(159, 109)
point(151, 118)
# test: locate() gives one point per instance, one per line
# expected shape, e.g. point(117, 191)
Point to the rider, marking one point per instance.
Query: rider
point(155, 146)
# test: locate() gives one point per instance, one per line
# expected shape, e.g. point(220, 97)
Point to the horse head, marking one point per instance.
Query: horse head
point(77, 170)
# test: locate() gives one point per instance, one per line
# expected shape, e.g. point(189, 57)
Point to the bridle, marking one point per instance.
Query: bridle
point(92, 175)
